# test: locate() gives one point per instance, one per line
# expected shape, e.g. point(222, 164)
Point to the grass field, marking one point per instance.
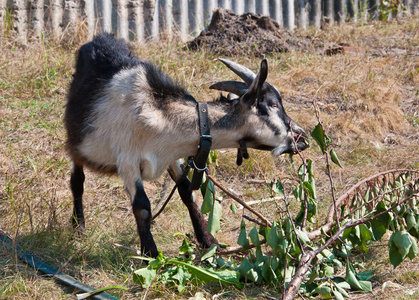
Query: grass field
point(369, 103)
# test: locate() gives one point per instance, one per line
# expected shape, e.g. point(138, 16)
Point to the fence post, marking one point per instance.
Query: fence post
point(315, 13)
point(303, 9)
point(89, 11)
point(374, 9)
point(250, 6)
point(225, 4)
point(71, 10)
point(275, 7)
point(353, 9)
point(262, 7)
point(36, 16)
point(2, 12)
point(168, 18)
point(209, 7)
point(195, 13)
point(180, 12)
point(341, 11)
point(122, 19)
point(329, 12)
point(238, 7)
point(20, 19)
point(104, 8)
point(289, 14)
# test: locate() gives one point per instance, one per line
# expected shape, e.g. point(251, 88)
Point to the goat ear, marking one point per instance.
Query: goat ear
point(253, 93)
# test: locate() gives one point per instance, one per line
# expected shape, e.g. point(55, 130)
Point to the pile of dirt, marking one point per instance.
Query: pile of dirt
point(230, 34)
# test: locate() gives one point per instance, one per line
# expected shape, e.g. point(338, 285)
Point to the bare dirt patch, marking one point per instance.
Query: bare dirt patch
point(230, 34)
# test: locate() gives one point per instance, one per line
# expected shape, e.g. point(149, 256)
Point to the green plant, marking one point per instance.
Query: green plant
point(293, 255)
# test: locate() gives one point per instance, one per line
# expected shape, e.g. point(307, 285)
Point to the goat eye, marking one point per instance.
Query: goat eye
point(274, 105)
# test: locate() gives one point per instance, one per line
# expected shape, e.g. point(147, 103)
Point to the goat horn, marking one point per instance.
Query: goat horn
point(231, 86)
point(244, 73)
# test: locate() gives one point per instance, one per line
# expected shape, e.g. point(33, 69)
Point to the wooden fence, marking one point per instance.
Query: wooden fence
point(147, 19)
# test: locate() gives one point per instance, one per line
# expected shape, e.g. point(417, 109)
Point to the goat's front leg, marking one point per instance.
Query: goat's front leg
point(76, 185)
point(199, 223)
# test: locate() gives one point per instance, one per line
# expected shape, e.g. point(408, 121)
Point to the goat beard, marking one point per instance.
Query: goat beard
point(242, 153)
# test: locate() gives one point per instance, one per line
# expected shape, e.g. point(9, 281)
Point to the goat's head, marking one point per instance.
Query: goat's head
point(277, 131)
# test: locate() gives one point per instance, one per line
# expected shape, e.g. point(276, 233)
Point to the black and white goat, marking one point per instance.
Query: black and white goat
point(126, 116)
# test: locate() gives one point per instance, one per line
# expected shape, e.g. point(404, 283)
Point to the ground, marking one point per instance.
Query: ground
point(368, 101)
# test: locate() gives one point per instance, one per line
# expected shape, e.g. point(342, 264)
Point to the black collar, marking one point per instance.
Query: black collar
point(199, 161)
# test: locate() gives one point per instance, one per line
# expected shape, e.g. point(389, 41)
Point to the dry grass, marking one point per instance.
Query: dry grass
point(368, 102)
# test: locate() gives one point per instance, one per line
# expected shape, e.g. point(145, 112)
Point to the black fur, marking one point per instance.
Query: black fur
point(97, 62)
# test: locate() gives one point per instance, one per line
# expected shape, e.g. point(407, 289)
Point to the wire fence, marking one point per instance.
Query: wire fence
point(148, 19)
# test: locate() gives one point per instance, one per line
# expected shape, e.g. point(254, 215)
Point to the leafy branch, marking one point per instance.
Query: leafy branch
point(295, 257)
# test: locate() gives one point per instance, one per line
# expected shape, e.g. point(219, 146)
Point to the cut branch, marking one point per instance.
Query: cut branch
point(237, 198)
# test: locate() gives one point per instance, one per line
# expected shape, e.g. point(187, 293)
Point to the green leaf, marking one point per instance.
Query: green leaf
point(380, 224)
point(341, 288)
point(248, 271)
point(182, 277)
point(242, 240)
point(208, 195)
point(366, 286)
point(318, 135)
point(302, 236)
point(254, 236)
point(226, 277)
point(413, 251)
point(212, 251)
point(185, 248)
point(402, 242)
point(268, 269)
point(324, 291)
point(364, 276)
point(410, 220)
point(278, 188)
point(338, 295)
point(214, 218)
point(343, 285)
point(272, 239)
point(394, 254)
point(353, 281)
point(233, 208)
point(334, 157)
point(329, 271)
point(144, 276)
point(366, 234)
point(309, 188)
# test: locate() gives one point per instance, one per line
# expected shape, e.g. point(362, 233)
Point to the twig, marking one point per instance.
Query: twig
point(237, 198)
point(307, 257)
point(254, 221)
point(135, 251)
point(329, 173)
point(240, 249)
point(263, 200)
point(329, 219)
point(303, 225)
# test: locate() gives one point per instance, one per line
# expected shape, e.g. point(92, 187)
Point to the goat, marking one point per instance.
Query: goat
point(126, 116)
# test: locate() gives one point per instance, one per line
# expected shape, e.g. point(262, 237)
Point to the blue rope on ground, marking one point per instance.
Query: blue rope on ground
point(46, 269)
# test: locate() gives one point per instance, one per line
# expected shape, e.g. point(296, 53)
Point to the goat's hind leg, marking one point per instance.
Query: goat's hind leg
point(77, 188)
point(199, 223)
point(141, 207)
point(142, 212)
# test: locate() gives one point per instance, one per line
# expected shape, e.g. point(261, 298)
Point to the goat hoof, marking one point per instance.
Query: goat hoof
point(79, 228)
point(208, 240)
point(150, 252)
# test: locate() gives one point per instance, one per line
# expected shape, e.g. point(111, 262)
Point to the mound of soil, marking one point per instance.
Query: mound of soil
point(230, 34)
